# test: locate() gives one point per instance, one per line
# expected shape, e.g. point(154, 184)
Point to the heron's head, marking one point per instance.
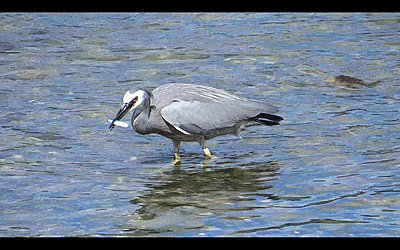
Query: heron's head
point(132, 101)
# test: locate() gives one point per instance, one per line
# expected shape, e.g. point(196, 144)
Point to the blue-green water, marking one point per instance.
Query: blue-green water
point(330, 169)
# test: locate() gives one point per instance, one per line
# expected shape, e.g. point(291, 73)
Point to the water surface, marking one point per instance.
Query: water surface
point(330, 169)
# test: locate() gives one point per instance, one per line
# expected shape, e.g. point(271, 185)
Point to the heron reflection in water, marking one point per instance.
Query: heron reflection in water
point(180, 198)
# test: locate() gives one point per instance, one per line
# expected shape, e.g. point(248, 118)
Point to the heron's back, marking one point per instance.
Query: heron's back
point(166, 94)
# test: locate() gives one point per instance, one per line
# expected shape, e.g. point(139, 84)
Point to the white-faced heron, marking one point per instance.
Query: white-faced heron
point(189, 112)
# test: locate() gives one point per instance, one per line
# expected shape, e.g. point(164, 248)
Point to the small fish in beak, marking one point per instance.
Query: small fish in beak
point(118, 124)
point(125, 108)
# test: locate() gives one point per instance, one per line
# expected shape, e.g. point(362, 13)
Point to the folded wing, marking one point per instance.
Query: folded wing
point(199, 118)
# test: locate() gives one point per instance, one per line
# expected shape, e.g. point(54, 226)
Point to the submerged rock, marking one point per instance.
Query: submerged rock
point(349, 82)
point(342, 79)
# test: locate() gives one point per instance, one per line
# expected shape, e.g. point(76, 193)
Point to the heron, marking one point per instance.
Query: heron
point(191, 112)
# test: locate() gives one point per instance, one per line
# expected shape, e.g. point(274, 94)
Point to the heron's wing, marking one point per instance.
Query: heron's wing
point(198, 118)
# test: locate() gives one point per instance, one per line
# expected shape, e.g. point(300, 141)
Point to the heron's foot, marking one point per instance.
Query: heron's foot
point(177, 159)
point(207, 153)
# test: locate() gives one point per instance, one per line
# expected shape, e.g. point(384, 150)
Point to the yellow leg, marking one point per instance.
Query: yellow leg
point(177, 159)
point(207, 153)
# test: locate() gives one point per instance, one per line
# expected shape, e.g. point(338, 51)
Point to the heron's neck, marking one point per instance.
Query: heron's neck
point(140, 118)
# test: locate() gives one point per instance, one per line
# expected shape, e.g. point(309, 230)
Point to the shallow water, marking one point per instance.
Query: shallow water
point(330, 169)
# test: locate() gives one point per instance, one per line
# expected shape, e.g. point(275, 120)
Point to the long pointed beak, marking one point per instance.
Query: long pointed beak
point(121, 113)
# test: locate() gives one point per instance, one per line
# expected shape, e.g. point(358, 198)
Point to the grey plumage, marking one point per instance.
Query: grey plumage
point(189, 112)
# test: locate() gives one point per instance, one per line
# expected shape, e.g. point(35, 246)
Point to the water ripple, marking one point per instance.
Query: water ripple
point(296, 224)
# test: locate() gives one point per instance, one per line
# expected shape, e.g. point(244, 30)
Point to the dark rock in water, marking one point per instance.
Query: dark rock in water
point(346, 80)
point(349, 79)
point(349, 82)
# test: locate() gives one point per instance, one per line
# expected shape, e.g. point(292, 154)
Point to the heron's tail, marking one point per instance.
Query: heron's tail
point(267, 119)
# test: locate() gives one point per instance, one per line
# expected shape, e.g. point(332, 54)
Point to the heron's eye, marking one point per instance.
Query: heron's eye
point(134, 101)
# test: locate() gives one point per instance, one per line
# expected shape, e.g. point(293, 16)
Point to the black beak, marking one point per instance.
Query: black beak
point(121, 113)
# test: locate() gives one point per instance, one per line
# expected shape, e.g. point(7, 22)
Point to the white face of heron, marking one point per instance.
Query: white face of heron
point(139, 95)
